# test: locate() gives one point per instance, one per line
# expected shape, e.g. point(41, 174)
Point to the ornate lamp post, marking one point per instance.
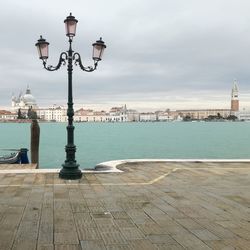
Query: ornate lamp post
point(70, 168)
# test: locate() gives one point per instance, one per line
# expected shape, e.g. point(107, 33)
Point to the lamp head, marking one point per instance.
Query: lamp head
point(98, 49)
point(42, 48)
point(70, 26)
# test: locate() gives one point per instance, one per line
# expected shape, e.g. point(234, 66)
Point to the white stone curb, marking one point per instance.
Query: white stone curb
point(111, 166)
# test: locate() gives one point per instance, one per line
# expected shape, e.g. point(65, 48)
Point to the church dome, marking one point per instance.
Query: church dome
point(28, 98)
point(25, 101)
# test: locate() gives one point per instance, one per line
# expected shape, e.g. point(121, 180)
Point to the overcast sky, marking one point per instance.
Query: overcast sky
point(160, 53)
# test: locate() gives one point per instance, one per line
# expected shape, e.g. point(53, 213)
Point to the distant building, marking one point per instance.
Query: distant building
point(148, 117)
point(235, 98)
point(121, 114)
point(89, 115)
point(7, 115)
point(54, 113)
point(133, 115)
point(243, 115)
point(164, 116)
point(118, 114)
point(200, 114)
point(24, 102)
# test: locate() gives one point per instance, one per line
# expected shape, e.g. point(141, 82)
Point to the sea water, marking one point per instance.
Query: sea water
point(99, 142)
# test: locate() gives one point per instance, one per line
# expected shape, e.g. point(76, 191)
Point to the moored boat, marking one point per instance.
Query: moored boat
point(18, 157)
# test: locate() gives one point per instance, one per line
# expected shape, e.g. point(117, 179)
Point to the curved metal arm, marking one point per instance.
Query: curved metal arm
point(78, 61)
point(62, 60)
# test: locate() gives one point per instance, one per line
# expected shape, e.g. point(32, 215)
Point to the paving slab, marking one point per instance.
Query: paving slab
point(144, 205)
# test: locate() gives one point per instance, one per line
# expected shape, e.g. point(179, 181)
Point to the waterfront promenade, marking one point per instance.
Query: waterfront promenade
point(171, 205)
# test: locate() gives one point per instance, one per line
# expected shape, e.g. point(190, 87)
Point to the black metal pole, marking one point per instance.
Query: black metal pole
point(70, 168)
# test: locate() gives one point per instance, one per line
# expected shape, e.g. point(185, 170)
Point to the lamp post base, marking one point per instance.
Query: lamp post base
point(70, 172)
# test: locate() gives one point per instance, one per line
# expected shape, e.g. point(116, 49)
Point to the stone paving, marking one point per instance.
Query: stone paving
point(17, 166)
point(148, 206)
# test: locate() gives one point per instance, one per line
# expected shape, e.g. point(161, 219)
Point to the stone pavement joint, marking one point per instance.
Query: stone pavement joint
point(149, 205)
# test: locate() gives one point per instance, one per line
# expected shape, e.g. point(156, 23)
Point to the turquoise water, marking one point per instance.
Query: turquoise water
point(98, 142)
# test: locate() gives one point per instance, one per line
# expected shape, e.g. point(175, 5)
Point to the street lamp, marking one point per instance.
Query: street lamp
point(70, 168)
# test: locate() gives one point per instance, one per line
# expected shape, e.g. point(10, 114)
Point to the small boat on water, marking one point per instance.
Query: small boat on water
point(18, 157)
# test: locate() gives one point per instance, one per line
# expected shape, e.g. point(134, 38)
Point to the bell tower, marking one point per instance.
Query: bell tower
point(235, 98)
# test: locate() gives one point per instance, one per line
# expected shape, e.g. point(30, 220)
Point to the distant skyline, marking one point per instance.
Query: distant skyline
point(160, 54)
point(218, 102)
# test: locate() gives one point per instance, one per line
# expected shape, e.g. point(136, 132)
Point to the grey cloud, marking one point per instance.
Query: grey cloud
point(162, 50)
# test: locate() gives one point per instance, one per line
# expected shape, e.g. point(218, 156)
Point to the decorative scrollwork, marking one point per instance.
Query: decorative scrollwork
point(62, 61)
point(78, 61)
